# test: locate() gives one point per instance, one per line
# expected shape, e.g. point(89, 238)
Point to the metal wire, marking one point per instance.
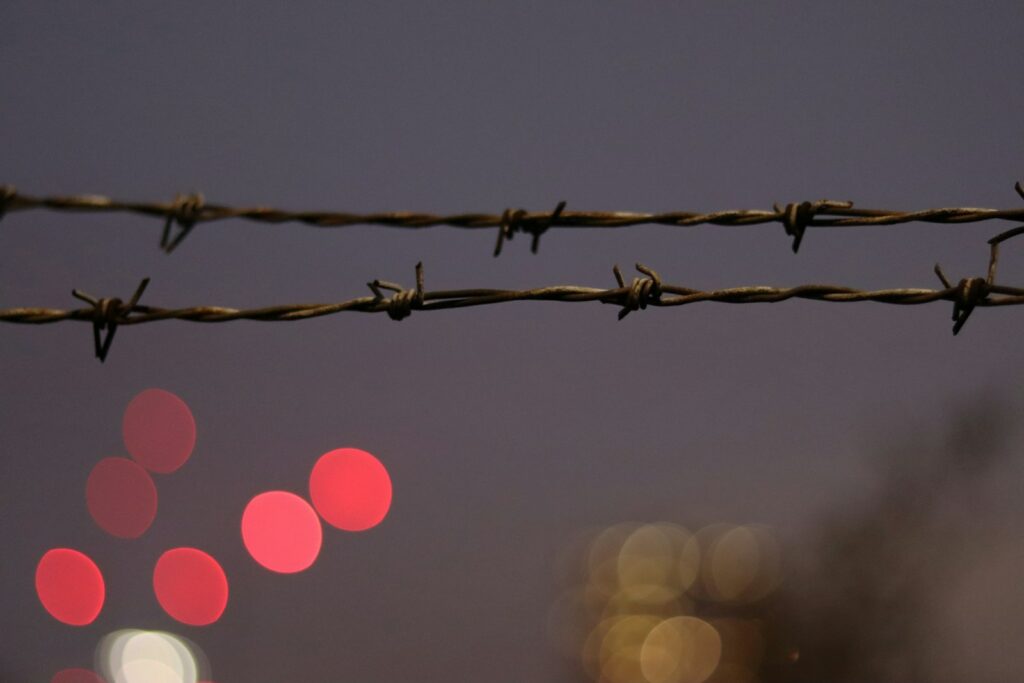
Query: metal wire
point(106, 314)
point(649, 290)
point(188, 211)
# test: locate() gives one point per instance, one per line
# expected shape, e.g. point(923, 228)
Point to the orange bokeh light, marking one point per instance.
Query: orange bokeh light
point(350, 489)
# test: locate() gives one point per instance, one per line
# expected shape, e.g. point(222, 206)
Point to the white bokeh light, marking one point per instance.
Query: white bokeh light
point(137, 656)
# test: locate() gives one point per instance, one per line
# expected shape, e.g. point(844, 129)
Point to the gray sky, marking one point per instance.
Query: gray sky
point(506, 429)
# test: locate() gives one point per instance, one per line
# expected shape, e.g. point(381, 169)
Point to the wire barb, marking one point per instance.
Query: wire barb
point(107, 314)
point(517, 220)
point(970, 292)
point(796, 217)
point(967, 294)
point(186, 211)
point(401, 305)
point(642, 291)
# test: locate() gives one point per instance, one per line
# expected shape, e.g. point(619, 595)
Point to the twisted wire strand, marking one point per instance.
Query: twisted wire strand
point(628, 297)
point(106, 314)
point(188, 211)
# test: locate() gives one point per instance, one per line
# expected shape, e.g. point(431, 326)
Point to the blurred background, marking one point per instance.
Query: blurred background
point(800, 491)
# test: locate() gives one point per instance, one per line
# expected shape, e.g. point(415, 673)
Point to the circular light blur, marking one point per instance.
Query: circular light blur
point(703, 542)
point(745, 564)
point(591, 652)
point(350, 489)
point(281, 531)
point(151, 657)
point(76, 676)
point(70, 586)
point(734, 564)
point(642, 583)
point(680, 650)
point(136, 656)
point(645, 562)
point(191, 586)
point(620, 654)
point(649, 563)
point(159, 430)
point(121, 497)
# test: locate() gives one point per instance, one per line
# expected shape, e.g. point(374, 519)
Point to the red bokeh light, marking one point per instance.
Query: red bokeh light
point(121, 497)
point(191, 586)
point(76, 676)
point(281, 531)
point(159, 430)
point(70, 586)
point(350, 489)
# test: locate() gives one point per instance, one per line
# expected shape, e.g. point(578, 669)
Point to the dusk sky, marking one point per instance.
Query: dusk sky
point(507, 430)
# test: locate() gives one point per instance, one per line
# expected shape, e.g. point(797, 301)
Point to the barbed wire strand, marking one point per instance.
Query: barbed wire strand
point(649, 290)
point(188, 211)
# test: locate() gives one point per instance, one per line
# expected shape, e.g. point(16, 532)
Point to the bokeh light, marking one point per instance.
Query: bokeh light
point(619, 649)
point(281, 531)
point(656, 562)
point(744, 564)
point(654, 603)
point(350, 489)
point(138, 656)
point(70, 586)
point(76, 676)
point(191, 586)
point(682, 649)
point(159, 430)
point(121, 497)
point(733, 563)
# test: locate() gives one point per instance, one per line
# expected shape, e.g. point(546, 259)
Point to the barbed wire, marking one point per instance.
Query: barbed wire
point(188, 211)
point(106, 314)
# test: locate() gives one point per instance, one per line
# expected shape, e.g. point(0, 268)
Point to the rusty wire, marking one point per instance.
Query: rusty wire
point(188, 211)
point(106, 314)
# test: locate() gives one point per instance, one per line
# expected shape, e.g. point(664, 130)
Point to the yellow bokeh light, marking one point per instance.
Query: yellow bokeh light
point(591, 653)
point(744, 564)
point(680, 650)
point(658, 601)
point(619, 656)
point(642, 584)
point(734, 564)
point(651, 562)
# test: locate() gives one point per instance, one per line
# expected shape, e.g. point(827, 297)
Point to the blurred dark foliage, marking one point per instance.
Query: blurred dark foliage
point(865, 598)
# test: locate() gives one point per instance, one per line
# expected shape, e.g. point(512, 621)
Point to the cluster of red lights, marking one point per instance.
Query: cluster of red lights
point(349, 488)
